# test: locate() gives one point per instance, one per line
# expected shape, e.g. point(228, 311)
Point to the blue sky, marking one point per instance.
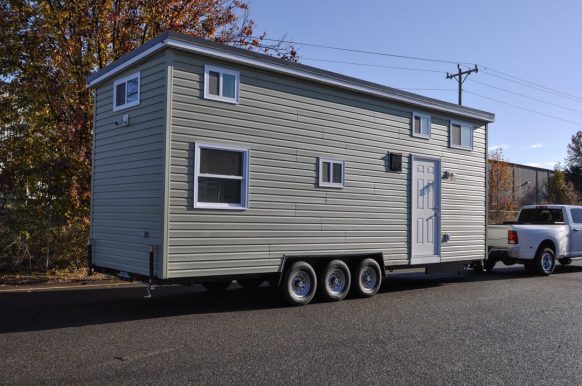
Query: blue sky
point(537, 41)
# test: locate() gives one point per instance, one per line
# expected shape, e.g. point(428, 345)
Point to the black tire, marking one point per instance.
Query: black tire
point(565, 261)
point(489, 264)
point(250, 284)
point(335, 281)
point(545, 261)
point(530, 267)
point(217, 286)
point(299, 283)
point(367, 278)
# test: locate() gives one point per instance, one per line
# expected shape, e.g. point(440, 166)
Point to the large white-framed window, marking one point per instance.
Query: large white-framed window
point(421, 125)
point(461, 135)
point(126, 92)
point(221, 176)
point(331, 173)
point(221, 84)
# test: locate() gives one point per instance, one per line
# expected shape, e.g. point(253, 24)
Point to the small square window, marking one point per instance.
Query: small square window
point(331, 173)
point(461, 135)
point(421, 125)
point(221, 177)
point(221, 85)
point(126, 92)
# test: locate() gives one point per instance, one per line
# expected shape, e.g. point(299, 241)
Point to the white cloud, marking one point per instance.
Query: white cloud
point(536, 145)
point(500, 146)
point(534, 164)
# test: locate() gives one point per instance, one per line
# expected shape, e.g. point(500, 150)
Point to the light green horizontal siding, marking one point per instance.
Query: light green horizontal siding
point(128, 172)
point(287, 123)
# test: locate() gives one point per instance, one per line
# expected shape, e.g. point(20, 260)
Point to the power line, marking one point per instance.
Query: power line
point(524, 108)
point(427, 89)
point(369, 52)
point(374, 65)
point(532, 83)
point(492, 71)
point(526, 96)
point(555, 93)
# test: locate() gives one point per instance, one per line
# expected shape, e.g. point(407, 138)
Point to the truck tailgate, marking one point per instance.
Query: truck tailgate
point(497, 236)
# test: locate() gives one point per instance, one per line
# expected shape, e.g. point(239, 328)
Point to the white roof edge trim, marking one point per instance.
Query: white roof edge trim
point(174, 43)
point(124, 65)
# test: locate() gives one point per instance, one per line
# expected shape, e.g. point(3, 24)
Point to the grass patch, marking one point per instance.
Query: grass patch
point(50, 276)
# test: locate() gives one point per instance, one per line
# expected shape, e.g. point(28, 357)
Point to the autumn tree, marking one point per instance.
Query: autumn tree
point(573, 165)
point(500, 190)
point(47, 50)
point(559, 190)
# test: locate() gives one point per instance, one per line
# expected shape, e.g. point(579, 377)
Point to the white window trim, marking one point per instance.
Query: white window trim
point(245, 177)
point(420, 135)
point(331, 184)
point(125, 79)
point(221, 98)
point(462, 124)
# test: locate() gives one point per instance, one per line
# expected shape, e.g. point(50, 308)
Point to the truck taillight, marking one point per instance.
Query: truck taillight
point(512, 237)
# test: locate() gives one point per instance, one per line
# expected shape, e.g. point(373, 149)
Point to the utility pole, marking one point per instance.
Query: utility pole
point(461, 79)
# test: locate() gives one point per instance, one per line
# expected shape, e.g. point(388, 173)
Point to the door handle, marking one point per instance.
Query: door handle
point(575, 229)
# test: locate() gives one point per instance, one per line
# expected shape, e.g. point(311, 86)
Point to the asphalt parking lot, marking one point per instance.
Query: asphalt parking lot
point(499, 328)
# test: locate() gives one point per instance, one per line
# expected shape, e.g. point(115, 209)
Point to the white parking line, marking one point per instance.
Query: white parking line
point(40, 289)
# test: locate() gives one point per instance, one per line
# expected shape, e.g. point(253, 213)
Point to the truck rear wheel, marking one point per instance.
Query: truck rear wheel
point(299, 283)
point(367, 278)
point(545, 261)
point(530, 267)
point(217, 286)
point(335, 281)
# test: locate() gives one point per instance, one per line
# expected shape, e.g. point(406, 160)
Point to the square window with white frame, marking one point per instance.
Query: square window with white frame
point(221, 177)
point(331, 173)
point(126, 92)
point(221, 84)
point(421, 125)
point(461, 135)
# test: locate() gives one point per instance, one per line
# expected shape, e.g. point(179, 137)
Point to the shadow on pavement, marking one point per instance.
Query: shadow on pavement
point(54, 309)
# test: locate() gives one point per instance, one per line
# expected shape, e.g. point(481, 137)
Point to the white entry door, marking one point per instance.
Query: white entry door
point(425, 215)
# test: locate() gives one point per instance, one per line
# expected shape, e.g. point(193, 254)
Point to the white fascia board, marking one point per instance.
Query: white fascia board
point(126, 64)
point(175, 43)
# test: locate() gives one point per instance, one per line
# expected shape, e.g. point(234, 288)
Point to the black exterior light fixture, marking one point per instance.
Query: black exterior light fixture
point(395, 162)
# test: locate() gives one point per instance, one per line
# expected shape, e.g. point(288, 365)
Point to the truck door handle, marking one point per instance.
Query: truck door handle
point(575, 229)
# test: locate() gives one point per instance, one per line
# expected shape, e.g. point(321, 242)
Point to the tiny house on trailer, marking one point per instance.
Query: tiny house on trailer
point(213, 164)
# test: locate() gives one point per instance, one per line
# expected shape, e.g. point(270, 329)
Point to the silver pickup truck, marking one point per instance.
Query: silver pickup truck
point(541, 235)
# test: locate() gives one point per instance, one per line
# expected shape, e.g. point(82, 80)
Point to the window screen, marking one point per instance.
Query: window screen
point(221, 84)
point(331, 173)
point(221, 179)
point(126, 92)
point(214, 82)
point(456, 135)
point(120, 94)
point(214, 161)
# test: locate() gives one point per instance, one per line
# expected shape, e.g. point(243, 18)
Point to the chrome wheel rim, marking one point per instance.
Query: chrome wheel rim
point(301, 284)
point(369, 278)
point(336, 281)
point(547, 261)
